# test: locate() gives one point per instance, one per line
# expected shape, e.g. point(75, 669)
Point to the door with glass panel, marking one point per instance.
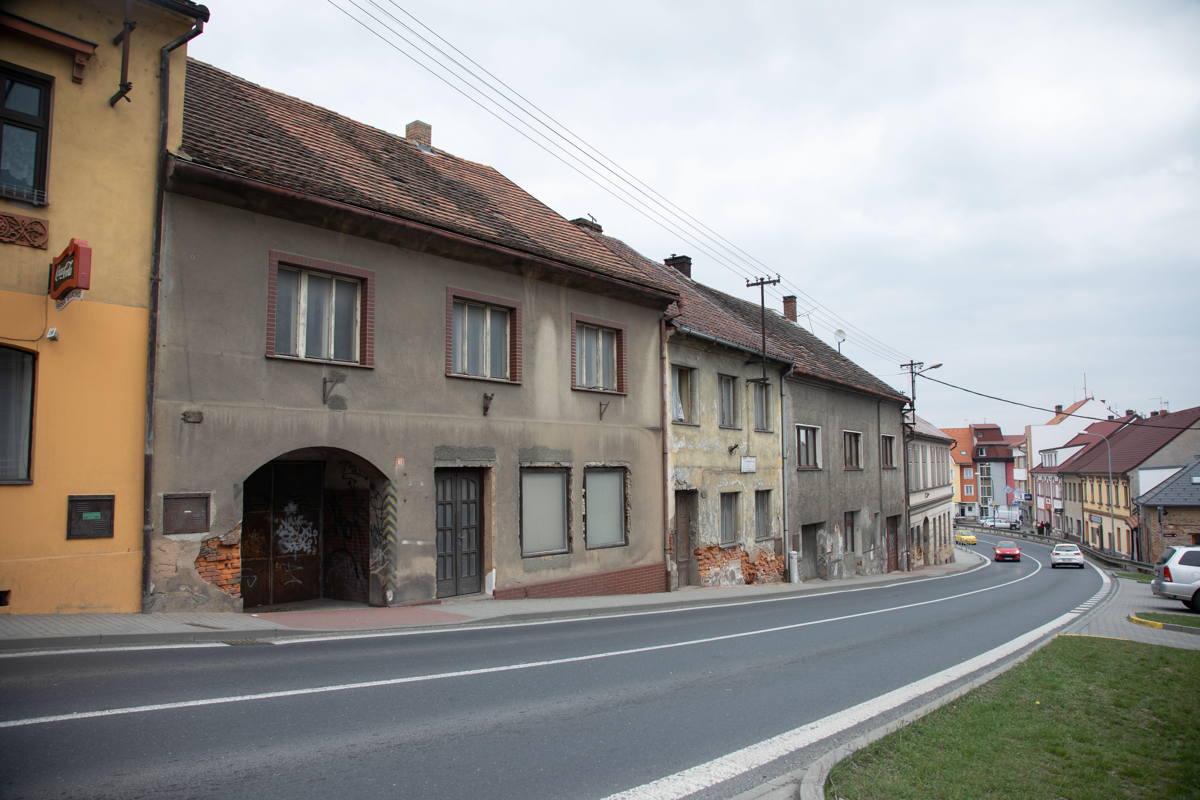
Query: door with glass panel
point(459, 531)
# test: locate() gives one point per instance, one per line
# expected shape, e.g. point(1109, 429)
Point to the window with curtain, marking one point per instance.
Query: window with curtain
point(479, 343)
point(596, 357)
point(317, 315)
point(682, 397)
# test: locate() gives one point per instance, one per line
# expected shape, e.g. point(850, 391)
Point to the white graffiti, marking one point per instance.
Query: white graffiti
point(295, 534)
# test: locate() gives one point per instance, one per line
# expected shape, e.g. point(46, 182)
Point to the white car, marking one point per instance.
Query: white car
point(1066, 555)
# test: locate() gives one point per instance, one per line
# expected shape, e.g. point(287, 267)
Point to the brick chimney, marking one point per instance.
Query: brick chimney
point(420, 134)
point(681, 263)
point(1154, 413)
point(1129, 412)
point(789, 307)
point(1058, 408)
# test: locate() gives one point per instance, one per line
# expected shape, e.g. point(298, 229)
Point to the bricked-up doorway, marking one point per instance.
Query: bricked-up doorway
point(307, 529)
point(893, 543)
point(459, 531)
point(686, 506)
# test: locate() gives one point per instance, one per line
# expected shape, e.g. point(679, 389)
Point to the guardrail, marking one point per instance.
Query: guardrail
point(1107, 557)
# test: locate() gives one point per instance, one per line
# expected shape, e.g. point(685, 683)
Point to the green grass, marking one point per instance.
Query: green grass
point(1190, 620)
point(1082, 718)
point(1135, 576)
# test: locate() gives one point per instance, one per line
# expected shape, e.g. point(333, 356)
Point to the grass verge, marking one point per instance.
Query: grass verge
point(1082, 718)
point(1190, 620)
point(1135, 576)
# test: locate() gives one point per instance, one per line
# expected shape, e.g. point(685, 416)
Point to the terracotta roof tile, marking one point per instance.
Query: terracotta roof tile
point(232, 125)
point(1133, 443)
point(707, 311)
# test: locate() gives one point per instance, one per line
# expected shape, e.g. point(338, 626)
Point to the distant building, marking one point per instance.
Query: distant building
point(930, 494)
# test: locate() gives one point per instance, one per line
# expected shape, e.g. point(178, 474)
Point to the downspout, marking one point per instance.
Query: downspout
point(881, 526)
point(907, 439)
point(783, 476)
point(664, 388)
point(164, 108)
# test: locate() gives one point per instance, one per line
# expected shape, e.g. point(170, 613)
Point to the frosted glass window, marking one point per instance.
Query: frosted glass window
point(543, 511)
point(604, 507)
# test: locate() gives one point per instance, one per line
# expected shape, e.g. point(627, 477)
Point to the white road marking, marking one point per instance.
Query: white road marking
point(704, 776)
point(212, 701)
point(122, 649)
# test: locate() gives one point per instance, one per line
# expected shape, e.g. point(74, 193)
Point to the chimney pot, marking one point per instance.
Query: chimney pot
point(1058, 408)
point(588, 224)
point(420, 134)
point(681, 263)
point(789, 307)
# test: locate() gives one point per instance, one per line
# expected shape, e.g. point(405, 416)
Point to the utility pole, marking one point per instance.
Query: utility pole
point(915, 368)
point(762, 284)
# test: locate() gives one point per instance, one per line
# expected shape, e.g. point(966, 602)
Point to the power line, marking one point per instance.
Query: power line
point(668, 218)
point(1139, 423)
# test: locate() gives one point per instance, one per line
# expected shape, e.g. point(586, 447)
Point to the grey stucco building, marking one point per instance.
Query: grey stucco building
point(386, 374)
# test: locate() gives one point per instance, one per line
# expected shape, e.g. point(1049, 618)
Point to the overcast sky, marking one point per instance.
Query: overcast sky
point(1009, 188)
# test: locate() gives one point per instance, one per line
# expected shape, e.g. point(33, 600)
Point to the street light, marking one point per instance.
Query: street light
point(916, 368)
point(1111, 524)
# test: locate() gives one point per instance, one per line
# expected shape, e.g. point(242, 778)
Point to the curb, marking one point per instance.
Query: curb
point(1149, 623)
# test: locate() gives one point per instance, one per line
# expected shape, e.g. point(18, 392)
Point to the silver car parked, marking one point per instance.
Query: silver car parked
point(1177, 575)
point(1066, 555)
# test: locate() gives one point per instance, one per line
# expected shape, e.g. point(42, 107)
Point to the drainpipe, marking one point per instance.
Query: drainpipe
point(164, 109)
point(665, 388)
point(783, 475)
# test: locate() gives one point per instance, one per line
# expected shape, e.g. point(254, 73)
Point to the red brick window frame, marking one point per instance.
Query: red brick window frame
point(364, 345)
point(458, 367)
point(590, 368)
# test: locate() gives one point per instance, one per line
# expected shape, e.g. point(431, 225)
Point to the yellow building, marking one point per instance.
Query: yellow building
point(83, 121)
point(1106, 512)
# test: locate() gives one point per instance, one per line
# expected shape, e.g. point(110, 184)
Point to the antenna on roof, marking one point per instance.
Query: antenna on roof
point(840, 335)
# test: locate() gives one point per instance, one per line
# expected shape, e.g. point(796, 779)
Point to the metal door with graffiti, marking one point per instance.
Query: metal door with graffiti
point(459, 527)
point(281, 533)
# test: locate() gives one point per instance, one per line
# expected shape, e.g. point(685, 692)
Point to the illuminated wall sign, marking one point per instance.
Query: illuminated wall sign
point(71, 270)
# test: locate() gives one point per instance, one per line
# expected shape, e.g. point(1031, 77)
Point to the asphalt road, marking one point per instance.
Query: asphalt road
point(572, 709)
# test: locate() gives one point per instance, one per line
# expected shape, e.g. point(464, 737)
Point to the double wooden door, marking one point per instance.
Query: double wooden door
point(459, 531)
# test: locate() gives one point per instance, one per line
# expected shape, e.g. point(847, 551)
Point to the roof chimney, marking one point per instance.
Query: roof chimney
point(681, 263)
point(420, 134)
point(789, 307)
point(1154, 413)
point(1129, 412)
point(588, 224)
point(1058, 408)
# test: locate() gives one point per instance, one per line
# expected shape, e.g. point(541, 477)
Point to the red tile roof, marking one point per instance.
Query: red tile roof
point(962, 452)
point(709, 312)
point(1133, 443)
point(251, 132)
point(1068, 411)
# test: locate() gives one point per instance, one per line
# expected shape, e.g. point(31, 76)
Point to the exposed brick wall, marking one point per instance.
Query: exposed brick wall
point(731, 566)
point(220, 561)
point(632, 580)
point(1182, 522)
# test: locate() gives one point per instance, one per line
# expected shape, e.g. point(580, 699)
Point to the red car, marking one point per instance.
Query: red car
point(1006, 551)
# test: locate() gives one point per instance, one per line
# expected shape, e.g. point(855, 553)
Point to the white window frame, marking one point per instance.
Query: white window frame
point(683, 398)
point(815, 430)
point(727, 401)
point(300, 322)
point(969, 490)
point(461, 334)
point(968, 474)
point(591, 374)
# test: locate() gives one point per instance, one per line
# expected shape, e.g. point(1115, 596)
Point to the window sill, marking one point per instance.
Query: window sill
point(808, 469)
point(854, 469)
point(605, 546)
point(546, 553)
point(16, 482)
point(484, 378)
point(598, 390)
point(763, 430)
point(888, 466)
point(328, 362)
point(730, 427)
point(685, 423)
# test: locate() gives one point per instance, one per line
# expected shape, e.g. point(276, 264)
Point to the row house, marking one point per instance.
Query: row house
point(1044, 488)
point(1170, 512)
point(985, 460)
point(1059, 495)
point(92, 94)
point(775, 442)
point(931, 504)
point(1126, 458)
point(387, 374)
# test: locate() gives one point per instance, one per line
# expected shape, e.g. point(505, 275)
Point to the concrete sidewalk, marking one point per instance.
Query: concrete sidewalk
point(42, 631)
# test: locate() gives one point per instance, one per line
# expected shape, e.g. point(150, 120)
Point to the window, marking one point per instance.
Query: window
point(597, 351)
point(479, 340)
point(604, 507)
point(24, 134)
point(969, 490)
point(682, 394)
point(887, 456)
point(16, 413)
point(729, 517)
point(848, 531)
point(320, 311)
point(982, 452)
point(762, 405)
point(727, 406)
point(762, 514)
point(852, 449)
point(968, 473)
point(807, 447)
point(543, 511)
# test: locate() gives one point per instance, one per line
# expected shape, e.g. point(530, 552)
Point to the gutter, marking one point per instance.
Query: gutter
point(164, 108)
point(783, 475)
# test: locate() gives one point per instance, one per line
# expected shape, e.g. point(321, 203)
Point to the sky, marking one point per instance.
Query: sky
point(1009, 189)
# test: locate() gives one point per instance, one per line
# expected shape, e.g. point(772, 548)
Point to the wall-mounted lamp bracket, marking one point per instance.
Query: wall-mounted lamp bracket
point(327, 384)
point(487, 402)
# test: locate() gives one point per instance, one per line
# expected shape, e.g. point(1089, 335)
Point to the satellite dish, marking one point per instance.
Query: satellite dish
point(840, 335)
